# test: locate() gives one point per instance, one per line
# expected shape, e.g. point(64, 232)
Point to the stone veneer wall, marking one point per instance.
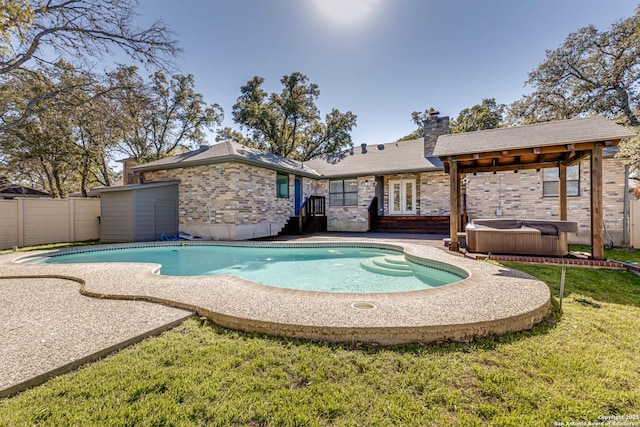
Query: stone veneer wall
point(434, 193)
point(350, 218)
point(520, 196)
point(434, 126)
point(312, 187)
point(229, 201)
point(233, 201)
point(432, 198)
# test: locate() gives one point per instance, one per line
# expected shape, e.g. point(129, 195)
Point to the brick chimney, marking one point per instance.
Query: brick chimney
point(433, 127)
point(128, 177)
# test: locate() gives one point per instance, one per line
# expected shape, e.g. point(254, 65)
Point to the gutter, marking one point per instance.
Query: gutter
point(132, 187)
point(379, 172)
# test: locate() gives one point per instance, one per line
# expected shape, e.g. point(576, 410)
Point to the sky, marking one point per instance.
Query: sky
point(379, 59)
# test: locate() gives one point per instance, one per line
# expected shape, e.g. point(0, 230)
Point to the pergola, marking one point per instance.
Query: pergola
point(543, 145)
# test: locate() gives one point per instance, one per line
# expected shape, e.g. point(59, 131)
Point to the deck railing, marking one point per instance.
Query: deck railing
point(314, 206)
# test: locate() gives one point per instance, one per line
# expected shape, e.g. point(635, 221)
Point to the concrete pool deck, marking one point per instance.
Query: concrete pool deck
point(492, 300)
point(49, 328)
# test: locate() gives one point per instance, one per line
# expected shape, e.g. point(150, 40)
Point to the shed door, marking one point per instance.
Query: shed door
point(165, 217)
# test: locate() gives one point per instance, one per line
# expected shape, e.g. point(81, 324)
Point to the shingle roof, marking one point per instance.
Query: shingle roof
point(23, 191)
point(10, 190)
point(588, 129)
point(227, 152)
point(394, 157)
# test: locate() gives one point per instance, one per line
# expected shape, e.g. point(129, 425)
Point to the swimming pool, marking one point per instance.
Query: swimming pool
point(490, 299)
point(320, 268)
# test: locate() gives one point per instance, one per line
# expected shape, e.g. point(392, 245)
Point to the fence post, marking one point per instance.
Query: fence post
point(20, 215)
point(72, 221)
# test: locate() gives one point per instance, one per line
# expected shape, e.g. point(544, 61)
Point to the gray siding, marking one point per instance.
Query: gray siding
point(137, 213)
point(156, 212)
point(166, 216)
point(116, 217)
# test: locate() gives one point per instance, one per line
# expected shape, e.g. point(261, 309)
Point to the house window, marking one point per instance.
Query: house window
point(282, 186)
point(550, 177)
point(343, 192)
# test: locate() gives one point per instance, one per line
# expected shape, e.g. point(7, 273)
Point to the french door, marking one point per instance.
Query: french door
point(402, 197)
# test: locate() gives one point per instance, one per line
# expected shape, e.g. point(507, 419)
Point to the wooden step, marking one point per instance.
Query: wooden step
point(313, 224)
point(291, 228)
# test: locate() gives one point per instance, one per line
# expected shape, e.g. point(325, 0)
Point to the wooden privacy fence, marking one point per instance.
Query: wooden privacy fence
point(25, 222)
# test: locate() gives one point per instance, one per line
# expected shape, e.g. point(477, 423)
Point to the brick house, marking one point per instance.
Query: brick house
point(9, 191)
point(232, 192)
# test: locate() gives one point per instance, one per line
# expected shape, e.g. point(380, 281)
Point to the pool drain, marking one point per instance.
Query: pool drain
point(363, 305)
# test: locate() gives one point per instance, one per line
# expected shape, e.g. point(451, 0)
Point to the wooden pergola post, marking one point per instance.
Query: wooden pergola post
point(543, 145)
point(562, 191)
point(454, 204)
point(597, 222)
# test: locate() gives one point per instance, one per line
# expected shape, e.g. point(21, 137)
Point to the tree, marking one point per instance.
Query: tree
point(42, 149)
point(418, 118)
point(67, 143)
point(629, 151)
point(14, 14)
point(25, 93)
point(487, 115)
point(229, 134)
point(58, 149)
point(161, 116)
point(288, 124)
point(97, 128)
point(37, 34)
point(592, 72)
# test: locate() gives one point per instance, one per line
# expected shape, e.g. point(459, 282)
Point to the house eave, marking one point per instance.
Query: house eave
point(226, 159)
point(24, 196)
point(380, 172)
point(135, 186)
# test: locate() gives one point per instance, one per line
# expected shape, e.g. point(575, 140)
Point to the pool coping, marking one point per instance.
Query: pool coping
point(492, 300)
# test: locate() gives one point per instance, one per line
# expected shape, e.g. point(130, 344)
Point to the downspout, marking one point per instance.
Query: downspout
point(625, 208)
point(209, 208)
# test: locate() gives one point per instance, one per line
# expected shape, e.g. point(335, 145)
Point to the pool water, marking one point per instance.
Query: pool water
point(326, 269)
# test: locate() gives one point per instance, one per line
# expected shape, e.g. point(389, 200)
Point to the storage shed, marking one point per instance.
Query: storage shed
point(136, 213)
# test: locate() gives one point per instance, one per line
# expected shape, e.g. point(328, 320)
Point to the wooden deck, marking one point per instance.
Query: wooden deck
point(411, 224)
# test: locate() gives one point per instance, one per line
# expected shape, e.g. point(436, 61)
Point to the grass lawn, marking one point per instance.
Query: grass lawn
point(617, 254)
point(575, 368)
